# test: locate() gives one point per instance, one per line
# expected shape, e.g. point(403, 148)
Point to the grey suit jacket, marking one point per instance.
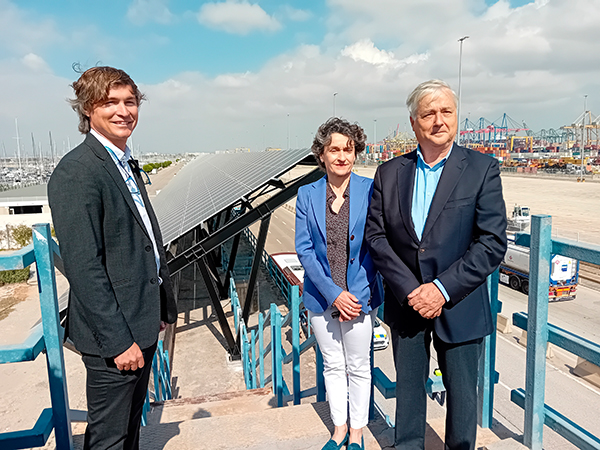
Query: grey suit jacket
point(463, 241)
point(115, 298)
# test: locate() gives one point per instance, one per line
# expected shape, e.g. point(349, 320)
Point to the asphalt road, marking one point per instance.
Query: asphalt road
point(565, 392)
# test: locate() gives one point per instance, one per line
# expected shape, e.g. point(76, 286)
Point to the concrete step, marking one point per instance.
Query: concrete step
point(301, 427)
point(215, 405)
point(247, 420)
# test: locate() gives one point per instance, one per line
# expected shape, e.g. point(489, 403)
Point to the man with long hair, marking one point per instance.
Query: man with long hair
point(120, 291)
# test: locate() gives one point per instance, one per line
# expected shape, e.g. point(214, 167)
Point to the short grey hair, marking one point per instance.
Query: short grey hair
point(431, 87)
point(353, 131)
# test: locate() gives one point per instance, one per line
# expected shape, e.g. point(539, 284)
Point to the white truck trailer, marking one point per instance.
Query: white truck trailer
point(564, 273)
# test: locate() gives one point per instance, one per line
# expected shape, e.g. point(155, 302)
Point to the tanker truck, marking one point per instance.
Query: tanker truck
point(564, 273)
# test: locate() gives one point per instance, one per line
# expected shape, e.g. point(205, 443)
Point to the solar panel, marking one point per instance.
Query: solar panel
point(213, 182)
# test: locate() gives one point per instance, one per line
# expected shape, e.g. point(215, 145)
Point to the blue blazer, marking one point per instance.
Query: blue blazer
point(311, 246)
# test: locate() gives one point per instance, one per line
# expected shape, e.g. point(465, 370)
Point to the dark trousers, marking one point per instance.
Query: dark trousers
point(459, 364)
point(115, 400)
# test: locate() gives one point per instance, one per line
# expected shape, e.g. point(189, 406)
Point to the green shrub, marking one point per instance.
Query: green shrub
point(147, 168)
point(22, 235)
point(14, 276)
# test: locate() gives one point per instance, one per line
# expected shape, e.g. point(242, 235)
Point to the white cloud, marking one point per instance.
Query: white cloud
point(143, 11)
point(237, 17)
point(365, 50)
point(35, 62)
point(296, 15)
point(21, 32)
point(233, 80)
point(534, 62)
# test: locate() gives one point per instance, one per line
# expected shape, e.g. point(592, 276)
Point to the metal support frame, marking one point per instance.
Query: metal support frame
point(232, 256)
point(233, 349)
point(211, 261)
point(260, 245)
point(197, 251)
point(200, 251)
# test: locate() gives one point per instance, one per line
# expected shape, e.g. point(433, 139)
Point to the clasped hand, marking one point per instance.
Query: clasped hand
point(348, 306)
point(427, 300)
point(130, 359)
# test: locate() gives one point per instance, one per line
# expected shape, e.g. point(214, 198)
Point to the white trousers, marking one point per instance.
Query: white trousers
point(346, 349)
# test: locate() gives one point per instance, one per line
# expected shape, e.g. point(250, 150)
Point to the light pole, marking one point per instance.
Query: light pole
point(459, 86)
point(583, 135)
point(334, 94)
point(374, 133)
point(288, 131)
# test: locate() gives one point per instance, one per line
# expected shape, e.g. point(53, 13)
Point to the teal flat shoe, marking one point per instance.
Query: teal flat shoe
point(355, 446)
point(332, 445)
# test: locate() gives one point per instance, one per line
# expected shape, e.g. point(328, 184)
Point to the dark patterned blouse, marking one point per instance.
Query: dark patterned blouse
point(337, 237)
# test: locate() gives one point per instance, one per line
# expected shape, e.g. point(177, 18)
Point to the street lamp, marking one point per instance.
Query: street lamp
point(334, 94)
point(459, 86)
point(583, 135)
point(374, 133)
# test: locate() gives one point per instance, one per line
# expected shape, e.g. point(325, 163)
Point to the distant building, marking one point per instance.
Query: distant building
point(25, 206)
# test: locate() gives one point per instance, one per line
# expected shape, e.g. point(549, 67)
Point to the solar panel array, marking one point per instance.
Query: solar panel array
point(213, 182)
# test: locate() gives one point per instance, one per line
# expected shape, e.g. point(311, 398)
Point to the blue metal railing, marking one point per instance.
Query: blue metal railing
point(253, 358)
point(161, 373)
point(537, 414)
point(540, 332)
point(387, 387)
point(48, 337)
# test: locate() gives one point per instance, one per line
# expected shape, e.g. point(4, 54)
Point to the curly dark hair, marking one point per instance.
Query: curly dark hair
point(352, 131)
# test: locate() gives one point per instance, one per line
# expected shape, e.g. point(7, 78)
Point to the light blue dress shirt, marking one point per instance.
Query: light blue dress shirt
point(426, 182)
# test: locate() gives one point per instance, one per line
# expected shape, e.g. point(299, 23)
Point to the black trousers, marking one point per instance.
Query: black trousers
point(459, 364)
point(115, 400)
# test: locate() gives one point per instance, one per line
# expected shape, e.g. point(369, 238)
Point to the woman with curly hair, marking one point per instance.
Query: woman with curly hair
point(342, 289)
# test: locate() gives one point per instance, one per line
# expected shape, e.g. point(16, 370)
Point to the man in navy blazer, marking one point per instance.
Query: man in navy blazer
point(436, 229)
point(363, 281)
point(120, 289)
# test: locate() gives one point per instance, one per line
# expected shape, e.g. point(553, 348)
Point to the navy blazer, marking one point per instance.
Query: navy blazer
point(115, 298)
point(464, 240)
point(311, 246)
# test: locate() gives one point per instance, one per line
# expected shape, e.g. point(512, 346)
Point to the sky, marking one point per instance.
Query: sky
point(228, 74)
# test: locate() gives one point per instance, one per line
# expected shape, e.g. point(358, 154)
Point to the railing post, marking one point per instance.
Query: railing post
point(245, 354)
point(57, 380)
point(295, 305)
point(261, 348)
point(276, 356)
point(253, 358)
point(156, 374)
point(487, 369)
point(537, 330)
point(372, 397)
